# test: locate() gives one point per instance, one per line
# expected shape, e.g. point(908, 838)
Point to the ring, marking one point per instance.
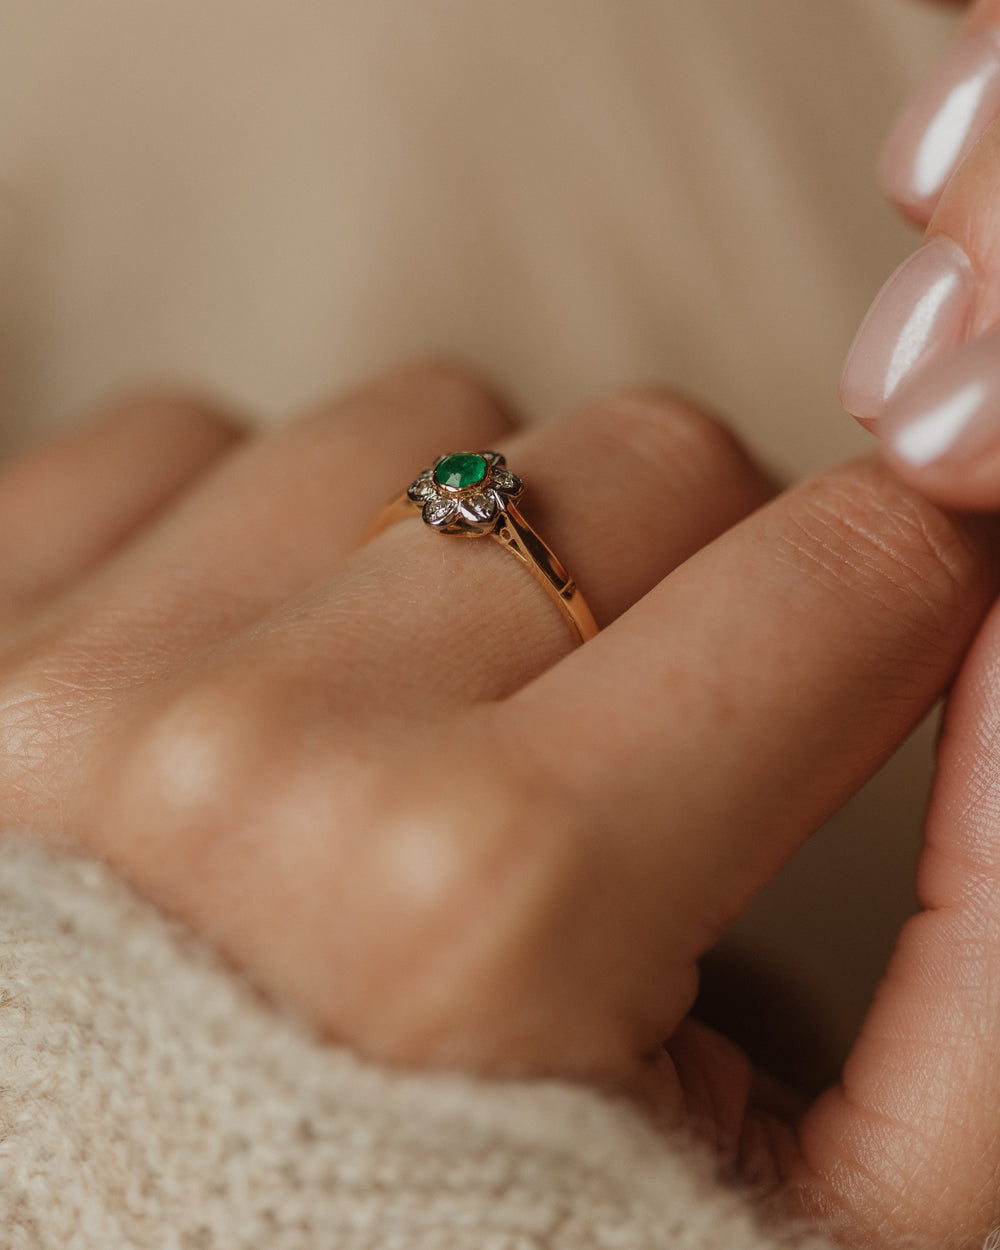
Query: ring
point(472, 494)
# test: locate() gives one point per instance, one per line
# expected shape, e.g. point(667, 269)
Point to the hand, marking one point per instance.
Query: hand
point(923, 371)
point(384, 782)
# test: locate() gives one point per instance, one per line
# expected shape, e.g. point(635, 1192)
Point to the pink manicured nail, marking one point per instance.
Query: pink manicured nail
point(923, 311)
point(950, 414)
point(949, 111)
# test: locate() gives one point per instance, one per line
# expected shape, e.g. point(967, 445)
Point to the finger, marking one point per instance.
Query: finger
point(417, 622)
point(278, 515)
point(945, 116)
point(935, 299)
point(941, 428)
point(69, 503)
point(906, 1146)
point(623, 492)
point(739, 704)
point(917, 368)
point(942, 433)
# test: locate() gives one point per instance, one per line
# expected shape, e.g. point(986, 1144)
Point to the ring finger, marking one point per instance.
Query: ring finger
point(623, 492)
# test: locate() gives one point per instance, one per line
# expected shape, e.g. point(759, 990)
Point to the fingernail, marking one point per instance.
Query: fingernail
point(943, 119)
point(951, 412)
point(923, 311)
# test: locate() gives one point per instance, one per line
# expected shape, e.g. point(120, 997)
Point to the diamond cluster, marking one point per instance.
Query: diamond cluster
point(466, 492)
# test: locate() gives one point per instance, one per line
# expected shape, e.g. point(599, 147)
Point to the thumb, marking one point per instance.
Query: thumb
point(908, 1145)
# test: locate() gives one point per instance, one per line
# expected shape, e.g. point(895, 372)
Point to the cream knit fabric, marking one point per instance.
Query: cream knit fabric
point(148, 1099)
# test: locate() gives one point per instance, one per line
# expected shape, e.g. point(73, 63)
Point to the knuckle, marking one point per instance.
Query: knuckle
point(859, 526)
point(174, 412)
point(188, 763)
point(416, 910)
point(447, 383)
point(465, 887)
point(677, 439)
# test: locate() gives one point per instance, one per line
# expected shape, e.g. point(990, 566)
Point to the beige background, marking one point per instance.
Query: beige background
point(271, 199)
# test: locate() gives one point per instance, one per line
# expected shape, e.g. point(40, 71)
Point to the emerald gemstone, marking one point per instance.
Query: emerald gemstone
point(460, 471)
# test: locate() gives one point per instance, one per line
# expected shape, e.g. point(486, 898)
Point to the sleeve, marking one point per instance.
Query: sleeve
point(149, 1099)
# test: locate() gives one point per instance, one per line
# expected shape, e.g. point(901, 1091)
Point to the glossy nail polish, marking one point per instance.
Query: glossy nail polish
point(950, 414)
point(949, 111)
point(923, 311)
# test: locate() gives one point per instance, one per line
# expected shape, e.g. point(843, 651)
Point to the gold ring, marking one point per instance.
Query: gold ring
point(472, 494)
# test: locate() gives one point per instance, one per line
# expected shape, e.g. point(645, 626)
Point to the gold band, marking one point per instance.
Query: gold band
point(473, 495)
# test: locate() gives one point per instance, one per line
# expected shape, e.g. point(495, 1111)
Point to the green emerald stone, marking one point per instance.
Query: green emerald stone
point(460, 471)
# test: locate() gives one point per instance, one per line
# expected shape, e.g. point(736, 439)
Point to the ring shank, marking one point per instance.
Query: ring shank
point(514, 533)
point(520, 539)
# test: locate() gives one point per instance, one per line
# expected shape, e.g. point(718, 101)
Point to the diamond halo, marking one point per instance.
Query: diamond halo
point(465, 493)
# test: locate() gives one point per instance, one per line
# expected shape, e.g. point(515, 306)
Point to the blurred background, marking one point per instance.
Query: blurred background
point(271, 200)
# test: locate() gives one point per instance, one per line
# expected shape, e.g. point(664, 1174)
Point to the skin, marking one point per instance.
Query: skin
point(380, 778)
point(931, 1035)
point(968, 211)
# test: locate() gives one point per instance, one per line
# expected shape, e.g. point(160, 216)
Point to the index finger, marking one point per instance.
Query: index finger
point(715, 725)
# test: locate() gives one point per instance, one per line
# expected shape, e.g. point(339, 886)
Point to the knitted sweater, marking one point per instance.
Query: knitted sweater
point(148, 1099)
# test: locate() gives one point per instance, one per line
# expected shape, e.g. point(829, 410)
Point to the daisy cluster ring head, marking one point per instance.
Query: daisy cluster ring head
point(466, 492)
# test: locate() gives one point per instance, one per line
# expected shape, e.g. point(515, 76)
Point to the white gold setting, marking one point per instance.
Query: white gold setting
point(468, 511)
